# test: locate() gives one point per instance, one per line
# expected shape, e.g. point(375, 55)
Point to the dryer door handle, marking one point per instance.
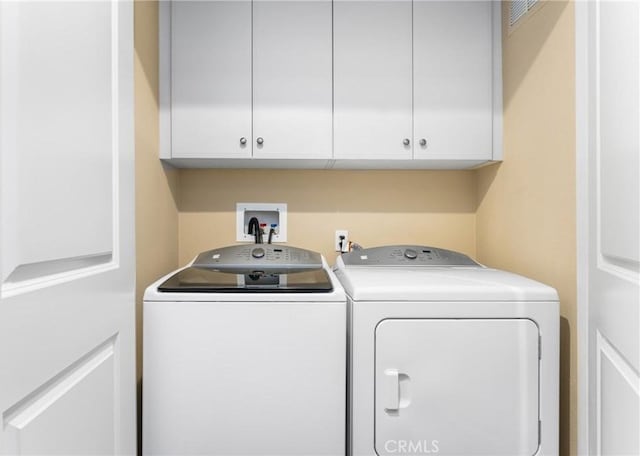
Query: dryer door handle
point(395, 391)
point(391, 391)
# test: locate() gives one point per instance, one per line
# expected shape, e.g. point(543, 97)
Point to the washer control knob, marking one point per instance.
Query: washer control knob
point(258, 252)
point(411, 254)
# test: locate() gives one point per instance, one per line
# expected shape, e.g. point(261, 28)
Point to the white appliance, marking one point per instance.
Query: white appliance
point(245, 354)
point(448, 357)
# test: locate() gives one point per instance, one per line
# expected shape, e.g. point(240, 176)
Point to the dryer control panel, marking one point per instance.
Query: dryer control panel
point(263, 256)
point(407, 255)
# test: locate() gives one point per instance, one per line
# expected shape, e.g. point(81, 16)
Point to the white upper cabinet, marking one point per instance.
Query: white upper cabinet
point(292, 80)
point(211, 79)
point(453, 79)
point(372, 80)
point(321, 83)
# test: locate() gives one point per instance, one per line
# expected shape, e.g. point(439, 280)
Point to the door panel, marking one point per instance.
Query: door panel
point(618, 408)
point(210, 79)
point(372, 79)
point(292, 79)
point(457, 386)
point(66, 228)
point(453, 79)
point(47, 422)
point(618, 153)
point(614, 305)
point(608, 82)
point(57, 113)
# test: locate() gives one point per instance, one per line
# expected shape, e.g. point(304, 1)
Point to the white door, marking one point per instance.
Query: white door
point(67, 364)
point(211, 79)
point(292, 79)
point(457, 387)
point(453, 79)
point(608, 127)
point(372, 79)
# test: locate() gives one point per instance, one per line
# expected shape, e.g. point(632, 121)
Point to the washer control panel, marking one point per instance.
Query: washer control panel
point(264, 256)
point(406, 255)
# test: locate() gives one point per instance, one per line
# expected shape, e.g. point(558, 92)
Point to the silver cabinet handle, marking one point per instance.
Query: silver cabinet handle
point(406, 141)
point(259, 140)
point(243, 140)
point(423, 142)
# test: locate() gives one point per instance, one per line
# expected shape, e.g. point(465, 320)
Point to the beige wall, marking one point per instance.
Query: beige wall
point(526, 205)
point(156, 187)
point(377, 207)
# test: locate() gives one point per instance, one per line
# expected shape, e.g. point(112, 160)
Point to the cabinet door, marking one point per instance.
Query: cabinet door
point(453, 79)
point(457, 387)
point(372, 79)
point(211, 79)
point(292, 84)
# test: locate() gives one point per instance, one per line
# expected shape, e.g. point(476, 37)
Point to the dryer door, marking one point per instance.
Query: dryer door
point(457, 387)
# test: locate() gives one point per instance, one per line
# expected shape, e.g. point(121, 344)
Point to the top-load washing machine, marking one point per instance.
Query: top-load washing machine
point(448, 357)
point(245, 354)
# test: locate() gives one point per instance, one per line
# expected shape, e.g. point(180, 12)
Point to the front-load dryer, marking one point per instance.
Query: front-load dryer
point(245, 354)
point(448, 357)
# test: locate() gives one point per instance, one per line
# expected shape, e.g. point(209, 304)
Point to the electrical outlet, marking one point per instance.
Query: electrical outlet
point(344, 247)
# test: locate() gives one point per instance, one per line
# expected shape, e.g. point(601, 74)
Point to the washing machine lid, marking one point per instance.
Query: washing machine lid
point(207, 280)
point(252, 269)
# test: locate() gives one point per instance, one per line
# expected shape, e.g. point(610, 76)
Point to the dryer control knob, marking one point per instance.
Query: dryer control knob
point(257, 253)
point(411, 254)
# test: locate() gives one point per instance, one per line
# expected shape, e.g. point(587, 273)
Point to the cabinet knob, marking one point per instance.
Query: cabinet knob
point(260, 140)
point(243, 140)
point(423, 142)
point(406, 141)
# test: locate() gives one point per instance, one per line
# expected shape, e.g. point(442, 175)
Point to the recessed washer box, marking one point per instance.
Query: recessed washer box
point(268, 213)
